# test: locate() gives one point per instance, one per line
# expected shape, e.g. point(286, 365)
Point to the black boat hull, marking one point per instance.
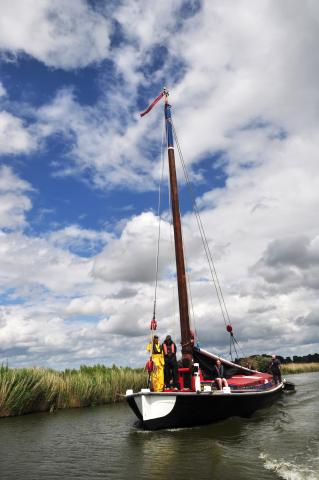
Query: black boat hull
point(177, 410)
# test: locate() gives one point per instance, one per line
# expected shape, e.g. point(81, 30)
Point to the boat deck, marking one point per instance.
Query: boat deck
point(236, 383)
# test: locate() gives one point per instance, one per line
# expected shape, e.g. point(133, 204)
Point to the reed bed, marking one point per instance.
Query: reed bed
point(27, 390)
point(290, 368)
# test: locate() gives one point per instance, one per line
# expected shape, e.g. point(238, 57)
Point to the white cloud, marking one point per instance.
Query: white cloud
point(9, 182)
point(291, 263)
point(14, 136)
point(14, 203)
point(60, 34)
point(73, 237)
point(234, 77)
point(99, 143)
point(235, 96)
point(132, 257)
point(152, 22)
point(40, 264)
point(39, 336)
point(30, 262)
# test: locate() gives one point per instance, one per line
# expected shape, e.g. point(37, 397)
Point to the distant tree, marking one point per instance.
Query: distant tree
point(298, 359)
point(261, 362)
point(256, 362)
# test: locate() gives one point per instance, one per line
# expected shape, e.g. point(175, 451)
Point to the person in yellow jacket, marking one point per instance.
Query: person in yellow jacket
point(157, 375)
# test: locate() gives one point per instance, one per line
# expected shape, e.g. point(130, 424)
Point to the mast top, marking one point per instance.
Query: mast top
point(164, 93)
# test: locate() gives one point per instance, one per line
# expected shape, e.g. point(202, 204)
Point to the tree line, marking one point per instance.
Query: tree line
point(258, 361)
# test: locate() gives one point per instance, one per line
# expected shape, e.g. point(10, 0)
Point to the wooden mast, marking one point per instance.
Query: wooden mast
point(186, 338)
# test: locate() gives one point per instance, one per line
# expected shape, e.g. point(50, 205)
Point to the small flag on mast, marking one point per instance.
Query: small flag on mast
point(152, 104)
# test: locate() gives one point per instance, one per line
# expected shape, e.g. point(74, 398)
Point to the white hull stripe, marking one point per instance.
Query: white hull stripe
point(155, 407)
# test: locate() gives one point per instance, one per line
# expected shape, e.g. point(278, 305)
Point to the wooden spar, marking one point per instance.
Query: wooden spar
point(186, 339)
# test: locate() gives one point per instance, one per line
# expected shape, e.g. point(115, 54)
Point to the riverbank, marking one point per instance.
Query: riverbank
point(27, 390)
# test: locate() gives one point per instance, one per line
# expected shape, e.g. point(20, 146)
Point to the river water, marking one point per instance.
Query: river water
point(102, 443)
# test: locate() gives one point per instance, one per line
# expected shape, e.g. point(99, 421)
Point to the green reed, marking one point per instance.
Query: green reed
point(26, 390)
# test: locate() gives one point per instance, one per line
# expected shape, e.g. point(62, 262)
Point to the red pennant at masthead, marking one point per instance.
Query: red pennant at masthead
point(152, 104)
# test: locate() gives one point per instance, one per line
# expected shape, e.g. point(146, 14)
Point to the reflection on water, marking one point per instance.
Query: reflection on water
point(102, 443)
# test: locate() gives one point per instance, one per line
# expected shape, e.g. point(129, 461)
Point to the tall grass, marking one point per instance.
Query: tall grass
point(290, 368)
point(27, 390)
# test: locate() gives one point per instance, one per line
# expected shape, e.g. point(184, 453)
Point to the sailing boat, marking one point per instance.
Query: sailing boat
point(198, 401)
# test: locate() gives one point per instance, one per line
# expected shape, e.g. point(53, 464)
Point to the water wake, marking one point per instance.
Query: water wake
point(288, 470)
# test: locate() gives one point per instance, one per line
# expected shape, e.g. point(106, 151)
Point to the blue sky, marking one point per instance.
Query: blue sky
point(79, 175)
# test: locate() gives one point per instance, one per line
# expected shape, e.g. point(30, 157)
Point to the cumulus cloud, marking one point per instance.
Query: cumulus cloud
point(75, 238)
point(15, 138)
point(59, 34)
point(291, 263)
point(232, 86)
point(30, 261)
point(40, 265)
point(100, 144)
point(131, 258)
point(14, 203)
point(38, 335)
point(10, 182)
point(151, 20)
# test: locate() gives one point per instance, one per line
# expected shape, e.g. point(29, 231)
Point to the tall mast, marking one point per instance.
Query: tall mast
point(186, 340)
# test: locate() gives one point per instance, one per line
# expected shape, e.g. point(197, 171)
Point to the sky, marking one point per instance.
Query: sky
point(80, 174)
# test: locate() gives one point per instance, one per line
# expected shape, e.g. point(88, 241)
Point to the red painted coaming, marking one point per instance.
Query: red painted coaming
point(257, 378)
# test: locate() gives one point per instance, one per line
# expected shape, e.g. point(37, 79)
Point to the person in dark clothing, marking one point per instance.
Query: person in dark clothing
point(218, 373)
point(170, 365)
point(275, 368)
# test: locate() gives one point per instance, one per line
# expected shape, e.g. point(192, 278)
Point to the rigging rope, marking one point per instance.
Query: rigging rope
point(219, 293)
point(209, 257)
point(203, 237)
point(185, 258)
point(191, 301)
point(159, 224)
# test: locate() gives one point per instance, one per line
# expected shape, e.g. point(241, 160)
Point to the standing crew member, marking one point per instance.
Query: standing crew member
point(275, 368)
point(157, 375)
point(171, 366)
